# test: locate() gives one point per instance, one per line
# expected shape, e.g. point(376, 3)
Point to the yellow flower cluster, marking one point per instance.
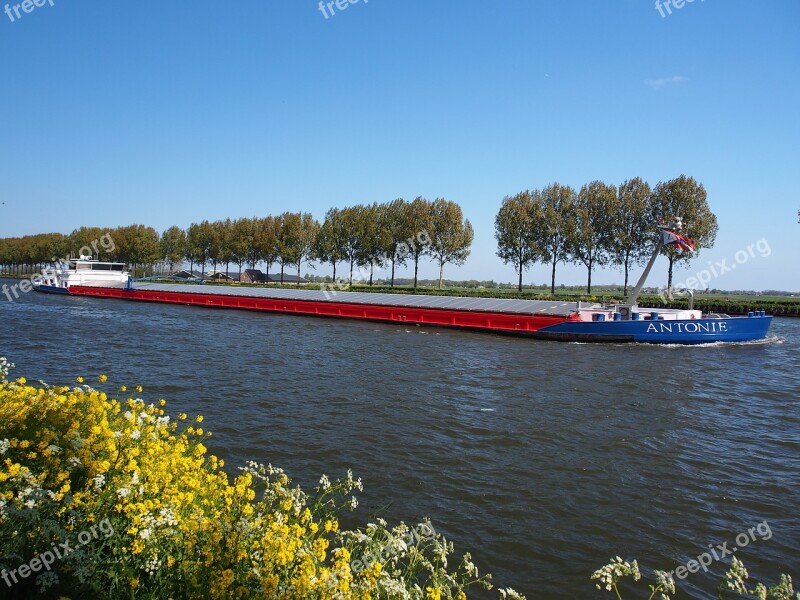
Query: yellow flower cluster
point(73, 457)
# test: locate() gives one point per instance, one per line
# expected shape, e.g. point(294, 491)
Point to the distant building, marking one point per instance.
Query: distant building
point(252, 276)
point(219, 276)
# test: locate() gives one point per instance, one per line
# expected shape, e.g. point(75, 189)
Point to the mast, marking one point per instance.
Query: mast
point(634, 295)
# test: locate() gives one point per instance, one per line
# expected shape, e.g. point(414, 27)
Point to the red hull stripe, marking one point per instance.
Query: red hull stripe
point(486, 321)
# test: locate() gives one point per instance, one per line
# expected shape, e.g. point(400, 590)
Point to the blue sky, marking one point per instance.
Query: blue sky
point(168, 113)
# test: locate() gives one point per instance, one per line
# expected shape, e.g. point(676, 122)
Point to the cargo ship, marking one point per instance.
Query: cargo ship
point(540, 319)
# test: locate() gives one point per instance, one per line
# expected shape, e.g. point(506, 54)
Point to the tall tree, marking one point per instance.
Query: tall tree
point(589, 238)
point(137, 245)
point(198, 238)
point(375, 237)
point(220, 248)
point(265, 247)
point(241, 242)
point(515, 228)
point(329, 247)
point(631, 239)
point(289, 238)
point(418, 223)
point(685, 198)
point(353, 237)
point(553, 235)
point(85, 238)
point(306, 240)
point(451, 235)
point(398, 233)
point(173, 246)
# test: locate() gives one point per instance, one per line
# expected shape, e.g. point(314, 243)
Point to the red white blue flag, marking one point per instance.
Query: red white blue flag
point(676, 239)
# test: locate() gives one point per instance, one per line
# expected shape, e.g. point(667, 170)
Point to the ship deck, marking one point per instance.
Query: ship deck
point(429, 302)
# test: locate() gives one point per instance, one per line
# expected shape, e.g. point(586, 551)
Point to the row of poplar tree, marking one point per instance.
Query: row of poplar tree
point(600, 224)
point(362, 236)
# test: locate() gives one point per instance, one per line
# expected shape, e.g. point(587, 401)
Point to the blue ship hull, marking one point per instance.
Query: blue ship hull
point(51, 289)
point(695, 331)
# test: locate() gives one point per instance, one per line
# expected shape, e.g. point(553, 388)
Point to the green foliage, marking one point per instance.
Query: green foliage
point(450, 235)
point(630, 242)
point(554, 231)
point(590, 231)
point(515, 231)
point(685, 198)
point(173, 246)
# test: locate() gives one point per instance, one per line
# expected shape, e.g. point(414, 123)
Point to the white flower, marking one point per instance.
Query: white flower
point(4, 444)
point(135, 434)
point(123, 492)
point(99, 481)
point(54, 449)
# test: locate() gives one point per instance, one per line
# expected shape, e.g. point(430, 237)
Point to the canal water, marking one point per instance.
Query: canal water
point(542, 459)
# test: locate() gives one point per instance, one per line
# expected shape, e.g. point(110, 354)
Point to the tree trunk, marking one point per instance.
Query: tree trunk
point(333, 262)
point(416, 270)
point(392, 273)
point(371, 269)
point(589, 281)
point(519, 287)
point(669, 277)
point(441, 273)
point(553, 278)
point(625, 288)
point(351, 271)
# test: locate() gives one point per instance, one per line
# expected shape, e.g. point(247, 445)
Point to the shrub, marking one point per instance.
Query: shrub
point(107, 498)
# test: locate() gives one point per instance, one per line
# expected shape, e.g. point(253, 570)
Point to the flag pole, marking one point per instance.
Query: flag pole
point(634, 295)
